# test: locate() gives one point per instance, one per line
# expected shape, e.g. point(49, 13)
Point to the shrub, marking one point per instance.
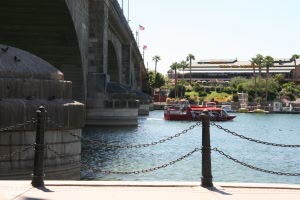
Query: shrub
point(202, 94)
point(235, 98)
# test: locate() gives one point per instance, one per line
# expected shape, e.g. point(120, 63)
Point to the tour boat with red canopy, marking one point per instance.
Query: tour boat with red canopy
point(186, 112)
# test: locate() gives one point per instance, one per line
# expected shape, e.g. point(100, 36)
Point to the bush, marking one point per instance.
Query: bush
point(235, 98)
point(240, 88)
point(180, 91)
point(251, 95)
point(219, 90)
point(202, 94)
point(188, 88)
point(208, 90)
point(198, 88)
point(250, 98)
point(227, 90)
point(272, 96)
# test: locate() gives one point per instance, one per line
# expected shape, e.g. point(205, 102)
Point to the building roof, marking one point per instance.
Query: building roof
point(281, 65)
point(234, 72)
point(217, 61)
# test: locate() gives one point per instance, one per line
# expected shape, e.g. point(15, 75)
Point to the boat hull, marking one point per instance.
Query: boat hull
point(189, 117)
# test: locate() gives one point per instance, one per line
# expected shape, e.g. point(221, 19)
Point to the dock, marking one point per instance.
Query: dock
point(22, 190)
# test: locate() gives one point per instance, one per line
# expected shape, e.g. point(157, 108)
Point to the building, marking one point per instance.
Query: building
point(224, 70)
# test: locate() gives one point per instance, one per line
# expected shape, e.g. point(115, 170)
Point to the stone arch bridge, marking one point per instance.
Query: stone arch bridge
point(89, 41)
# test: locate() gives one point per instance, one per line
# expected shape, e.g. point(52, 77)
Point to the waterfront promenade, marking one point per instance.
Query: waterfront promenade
point(22, 190)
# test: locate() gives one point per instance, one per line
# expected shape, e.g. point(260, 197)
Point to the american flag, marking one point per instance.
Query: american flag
point(145, 47)
point(141, 27)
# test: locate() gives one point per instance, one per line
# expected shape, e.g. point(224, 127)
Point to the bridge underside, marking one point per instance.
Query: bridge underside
point(91, 43)
point(46, 29)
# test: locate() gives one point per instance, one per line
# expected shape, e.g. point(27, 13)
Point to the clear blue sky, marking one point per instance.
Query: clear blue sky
point(216, 28)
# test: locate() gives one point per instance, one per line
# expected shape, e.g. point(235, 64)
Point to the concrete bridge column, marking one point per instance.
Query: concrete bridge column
point(137, 74)
point(98, 37)
point(126, 64)
point(109, 102)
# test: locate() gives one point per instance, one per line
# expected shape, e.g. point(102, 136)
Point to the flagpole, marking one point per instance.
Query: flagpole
point(128, 11)
point(143, 54)
point(138, 38)
point(147, 67)
point(123, 6)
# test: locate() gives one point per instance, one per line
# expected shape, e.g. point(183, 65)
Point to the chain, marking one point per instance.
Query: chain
point(253, 167)
point(252, 139)
point(138, 145)
point(2, 157)
point(95, 170)
point(144, 170)
point(55, 152)
point(9, 128)
point(71, 161)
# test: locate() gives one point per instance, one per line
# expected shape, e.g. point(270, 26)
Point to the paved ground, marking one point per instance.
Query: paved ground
point(22, 190)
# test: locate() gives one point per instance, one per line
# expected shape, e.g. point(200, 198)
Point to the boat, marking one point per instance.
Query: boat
point(259, 111)
point(186, 112)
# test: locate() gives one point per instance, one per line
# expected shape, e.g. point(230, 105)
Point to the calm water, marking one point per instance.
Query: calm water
point(273, 128)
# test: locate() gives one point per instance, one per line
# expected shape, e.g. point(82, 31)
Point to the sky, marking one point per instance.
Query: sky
point(215, 29)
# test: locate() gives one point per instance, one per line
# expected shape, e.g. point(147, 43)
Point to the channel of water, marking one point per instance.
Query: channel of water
point(277, 128)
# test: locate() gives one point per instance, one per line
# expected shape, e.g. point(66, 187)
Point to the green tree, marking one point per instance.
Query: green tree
point(290, 91)
point(183, 66)
point(253, 63)
point(294, 58)
point(156, 59)
point(156, 80)
point(190, 59)
point(279, 78)
point(234, 82)
point(258, 61)
point(174, 67)
point(177, 91)
point(268, 62)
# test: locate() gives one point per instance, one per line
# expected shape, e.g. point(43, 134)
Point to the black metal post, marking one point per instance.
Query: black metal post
point(38, 171)
point(206, 179)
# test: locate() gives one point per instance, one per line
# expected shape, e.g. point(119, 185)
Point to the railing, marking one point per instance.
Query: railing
point(206, 180)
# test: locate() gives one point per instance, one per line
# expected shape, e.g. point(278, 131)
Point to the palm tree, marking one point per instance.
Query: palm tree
point(183, 66)
point(294, 58)
point(156, 59)
point(190, 58)
point(254, 75)
point(258, 60)
point(268, 62)
point(174, 67)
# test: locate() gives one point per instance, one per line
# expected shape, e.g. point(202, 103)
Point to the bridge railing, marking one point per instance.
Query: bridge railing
point(206, 149)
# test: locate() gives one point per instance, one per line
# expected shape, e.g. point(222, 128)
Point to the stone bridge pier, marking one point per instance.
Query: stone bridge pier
point(91, 43)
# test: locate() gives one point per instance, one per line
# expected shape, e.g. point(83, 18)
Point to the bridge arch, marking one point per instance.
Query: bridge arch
point(46, 28)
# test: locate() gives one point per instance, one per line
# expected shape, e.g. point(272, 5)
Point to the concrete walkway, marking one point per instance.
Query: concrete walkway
point(65, 190)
